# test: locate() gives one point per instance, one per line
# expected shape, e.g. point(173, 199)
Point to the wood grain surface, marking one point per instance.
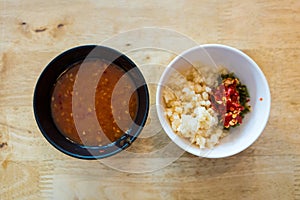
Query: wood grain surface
point(33, 32)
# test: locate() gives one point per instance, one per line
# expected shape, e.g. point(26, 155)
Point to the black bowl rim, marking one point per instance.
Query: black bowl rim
point(128, 138)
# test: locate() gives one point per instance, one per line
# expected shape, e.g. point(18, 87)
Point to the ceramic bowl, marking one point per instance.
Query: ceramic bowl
point(248, 72)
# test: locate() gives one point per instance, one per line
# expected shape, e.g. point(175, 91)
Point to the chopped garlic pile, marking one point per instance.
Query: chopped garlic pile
point(189, 111)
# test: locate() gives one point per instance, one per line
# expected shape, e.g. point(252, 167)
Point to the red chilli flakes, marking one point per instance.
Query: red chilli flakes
point(230, 99)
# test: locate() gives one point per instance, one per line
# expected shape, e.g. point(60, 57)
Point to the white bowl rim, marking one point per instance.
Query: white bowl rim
point(174, 136)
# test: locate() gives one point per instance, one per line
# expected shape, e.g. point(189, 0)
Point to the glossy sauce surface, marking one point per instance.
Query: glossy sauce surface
point(94, 103)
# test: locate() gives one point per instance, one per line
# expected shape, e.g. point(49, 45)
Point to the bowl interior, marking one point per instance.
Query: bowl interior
point(248, 72)
point(43, 91)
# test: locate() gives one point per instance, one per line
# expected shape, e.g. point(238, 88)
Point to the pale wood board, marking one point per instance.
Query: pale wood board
point(34, 32)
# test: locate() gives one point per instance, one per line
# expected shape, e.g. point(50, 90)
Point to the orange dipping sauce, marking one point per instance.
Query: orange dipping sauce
point(94, 103)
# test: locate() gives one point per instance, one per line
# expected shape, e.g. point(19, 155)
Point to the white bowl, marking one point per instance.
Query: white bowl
point(248, 72)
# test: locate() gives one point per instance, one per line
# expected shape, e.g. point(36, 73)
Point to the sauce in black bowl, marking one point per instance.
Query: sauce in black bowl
point(99, 110)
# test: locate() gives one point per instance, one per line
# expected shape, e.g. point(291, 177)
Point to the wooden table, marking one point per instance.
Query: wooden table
point(34, 32)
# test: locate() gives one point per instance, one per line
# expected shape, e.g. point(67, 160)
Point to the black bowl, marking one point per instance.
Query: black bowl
point(43, 92)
